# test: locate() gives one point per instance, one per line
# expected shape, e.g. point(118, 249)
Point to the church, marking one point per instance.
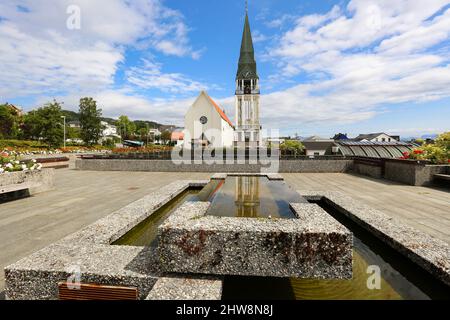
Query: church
point(206, 123)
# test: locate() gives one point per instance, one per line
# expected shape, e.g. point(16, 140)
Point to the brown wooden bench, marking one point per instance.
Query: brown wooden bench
point(54, 162)
point(52, 159)
point(85, 291)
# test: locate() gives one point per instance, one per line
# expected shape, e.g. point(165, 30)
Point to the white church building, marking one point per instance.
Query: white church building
point(206, 124)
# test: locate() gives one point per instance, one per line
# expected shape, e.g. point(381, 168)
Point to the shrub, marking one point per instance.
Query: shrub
point(292, 147)
point(22, 144)
point(438, 152)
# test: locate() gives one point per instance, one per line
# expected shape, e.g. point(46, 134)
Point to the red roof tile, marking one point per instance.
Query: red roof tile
point(221, 112)
point(177, 136)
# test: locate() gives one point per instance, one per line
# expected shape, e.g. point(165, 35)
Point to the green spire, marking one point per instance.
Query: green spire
point(247, 63)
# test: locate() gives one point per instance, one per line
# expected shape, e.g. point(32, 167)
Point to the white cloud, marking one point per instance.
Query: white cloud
point(363, 56)
point(40, 55)
point(115, 103)
point(150, 76)
point(258, 36)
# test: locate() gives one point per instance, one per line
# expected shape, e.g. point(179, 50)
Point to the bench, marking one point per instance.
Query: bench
point(83, 291)
point(52, 159)
point(54, 162)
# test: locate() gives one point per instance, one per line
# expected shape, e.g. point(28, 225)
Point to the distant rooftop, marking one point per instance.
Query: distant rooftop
point(392, 149)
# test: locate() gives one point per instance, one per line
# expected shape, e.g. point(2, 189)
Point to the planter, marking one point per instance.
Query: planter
point(33, 181)
point(412, 173)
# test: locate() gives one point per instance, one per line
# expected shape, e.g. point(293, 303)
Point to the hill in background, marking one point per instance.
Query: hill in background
point(75, 116)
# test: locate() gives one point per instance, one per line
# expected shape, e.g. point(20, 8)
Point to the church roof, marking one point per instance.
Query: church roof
point(247, 62)
point(220, 111)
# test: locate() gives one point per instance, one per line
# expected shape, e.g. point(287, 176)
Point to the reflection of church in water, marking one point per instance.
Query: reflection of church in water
point(247, 198)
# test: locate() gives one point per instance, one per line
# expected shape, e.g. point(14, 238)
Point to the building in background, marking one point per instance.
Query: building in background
point(317, 146)
point(74, 124)
point(206, 124)
point(177, 137)
point(155, 135)
point(340, 136)
point(377, 137)
point(16, 109)
point(109, 131)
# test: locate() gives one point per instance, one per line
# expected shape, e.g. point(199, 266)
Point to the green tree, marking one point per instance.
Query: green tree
point(45, 124)
point(73, 133)
point(143, 133)
point(166, 136)
point(9, 122)
point(90, 121)
point(53, 129)
point(32, 126)
point(126, 127)
point(293, 147)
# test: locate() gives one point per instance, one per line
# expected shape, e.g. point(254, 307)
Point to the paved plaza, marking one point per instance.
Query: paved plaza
point(82, 197)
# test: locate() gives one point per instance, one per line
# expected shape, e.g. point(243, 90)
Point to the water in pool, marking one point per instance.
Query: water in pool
point(248, 196)
point(253, 197)
point(400, 279)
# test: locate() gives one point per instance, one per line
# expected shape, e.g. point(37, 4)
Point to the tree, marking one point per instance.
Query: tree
point(53, 129)
point(126, 127)
point(45, 124)
point(73, 133)
point(90, 121)
point(293, 147)
point(166, 136)
point(9, 122)
point(32, 126)
point(143, 133)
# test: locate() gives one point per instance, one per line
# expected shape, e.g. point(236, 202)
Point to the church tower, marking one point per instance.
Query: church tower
point(248, 128)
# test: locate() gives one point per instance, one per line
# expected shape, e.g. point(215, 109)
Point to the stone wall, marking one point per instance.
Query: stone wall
point(170, 166)
point(369, 170)
point(39, 180)
point(411, 173)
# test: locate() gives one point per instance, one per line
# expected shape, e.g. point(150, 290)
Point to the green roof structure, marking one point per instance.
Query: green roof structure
point(247, 62)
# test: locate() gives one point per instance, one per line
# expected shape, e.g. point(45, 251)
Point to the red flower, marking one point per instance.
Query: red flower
point(418, 151)
point(448, 161)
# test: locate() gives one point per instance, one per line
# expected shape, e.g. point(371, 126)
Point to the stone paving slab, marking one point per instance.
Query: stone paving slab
point(430, 253)
point(314, 245)
point(186, 288)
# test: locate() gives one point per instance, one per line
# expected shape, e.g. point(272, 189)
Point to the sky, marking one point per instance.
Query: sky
point(356, 66)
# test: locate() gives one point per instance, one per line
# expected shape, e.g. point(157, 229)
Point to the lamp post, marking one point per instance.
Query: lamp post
point(64, 117)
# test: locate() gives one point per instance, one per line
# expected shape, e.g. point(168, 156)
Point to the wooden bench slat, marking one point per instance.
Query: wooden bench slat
point(96, 292)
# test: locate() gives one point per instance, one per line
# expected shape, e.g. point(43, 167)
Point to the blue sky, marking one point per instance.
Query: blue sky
point(325, 66)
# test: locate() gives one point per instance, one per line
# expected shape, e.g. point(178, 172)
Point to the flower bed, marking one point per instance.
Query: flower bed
point(19, 152)
point(436, 153)
point(12, 164)
point(149, 149)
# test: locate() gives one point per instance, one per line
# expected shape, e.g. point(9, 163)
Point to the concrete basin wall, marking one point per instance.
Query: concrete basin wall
point(170, 166)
